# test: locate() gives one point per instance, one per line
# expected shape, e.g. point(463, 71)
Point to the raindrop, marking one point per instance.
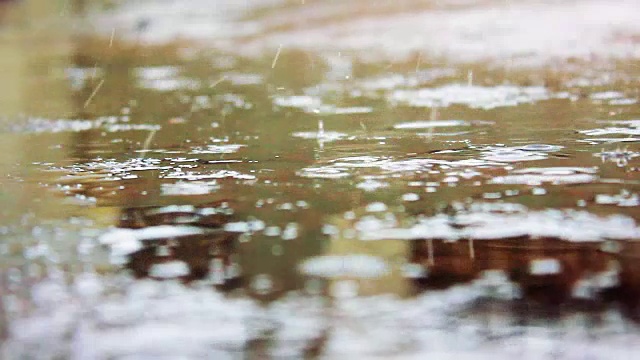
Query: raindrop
point(371, 185)
point(277, 250)
point(538, 191)
point(290, 231)
point(12, 304)
point(541, 267)
point(511, 192)
point(344, 289)
point(244, 238)
point(313, 286)
point(14, 275)
point(376, 207)
point(302, 204)
point(255, 225)
point(169, 270)
point(330, 230)
point(512, 155)
point(429, 124)
point(272, 231)
point(540, 147)
point(349, 233)
point(233, 271)
point(216, 271)
point(34, 271)
point(285, 206)
point(414, 271)
point(612, 247)
point(262, 284)
point(85, 247)
point(163, 251)
point(491, 196)
point(410, 197)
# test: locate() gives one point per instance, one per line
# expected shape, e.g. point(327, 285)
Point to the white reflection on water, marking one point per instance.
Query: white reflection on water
point(353, 265)
point(430, 124)
point(154, 319)
point(476, 97)
point(553, 175)
point(632, 127)
point(503, 220)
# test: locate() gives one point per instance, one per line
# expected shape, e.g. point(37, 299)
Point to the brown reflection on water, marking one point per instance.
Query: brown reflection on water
point(548, 270)
point(629, 289)
point(211, 256)
point(226, 260)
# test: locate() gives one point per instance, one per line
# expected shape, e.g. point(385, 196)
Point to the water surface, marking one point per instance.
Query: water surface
point(173, 196)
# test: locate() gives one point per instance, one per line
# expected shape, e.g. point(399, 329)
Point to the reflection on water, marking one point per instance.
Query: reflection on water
point(172, 199)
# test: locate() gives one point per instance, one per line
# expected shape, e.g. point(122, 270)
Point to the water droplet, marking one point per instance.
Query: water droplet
point(344, 289)
point(313, 286)
point(216, 272)
point(410, 197)
point(169, 270)
point(414, 271)
point(290, 231)
point(492, 196)
point(272, 231)
point(244, 238)
point(541, 147)
point(163, 250)
point(376, 207)
point(302, 204)
point(538, 191)
point(277, 250)
point(262, 284)
point(233, 271)
point(613, 247)
point(540, 267)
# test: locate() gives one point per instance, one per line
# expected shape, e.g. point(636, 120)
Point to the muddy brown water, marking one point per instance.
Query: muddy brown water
point(263, 176)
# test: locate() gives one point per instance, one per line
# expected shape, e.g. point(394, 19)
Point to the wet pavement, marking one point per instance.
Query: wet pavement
point(322, 179)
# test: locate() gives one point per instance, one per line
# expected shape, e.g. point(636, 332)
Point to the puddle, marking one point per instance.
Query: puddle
point(295, 174)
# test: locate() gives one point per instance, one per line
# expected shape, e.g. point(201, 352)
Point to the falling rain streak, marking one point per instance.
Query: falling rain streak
point(275, 58)
point(93, 93)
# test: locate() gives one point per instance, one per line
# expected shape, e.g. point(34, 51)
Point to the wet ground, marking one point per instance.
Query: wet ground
point(323, 179)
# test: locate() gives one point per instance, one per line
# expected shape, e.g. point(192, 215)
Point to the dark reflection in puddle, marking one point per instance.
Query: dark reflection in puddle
point(545, 268)
point(210, 254)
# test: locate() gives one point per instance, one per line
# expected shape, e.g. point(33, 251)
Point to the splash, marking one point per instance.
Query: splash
point(504, 220)
point(475, 97)
point(553, 175)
